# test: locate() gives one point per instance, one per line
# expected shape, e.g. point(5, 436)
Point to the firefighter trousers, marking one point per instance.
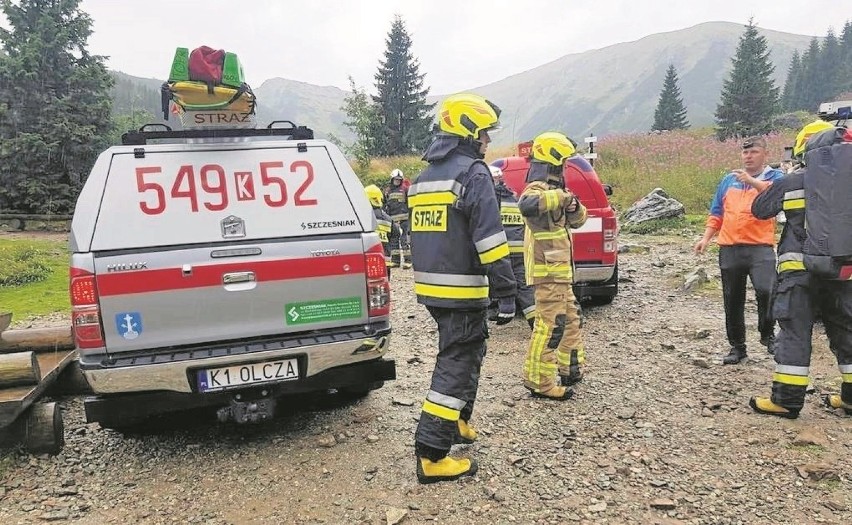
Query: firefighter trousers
point(796, 298)
point(557, 341)
point(525, 299)
point(400, 244)
point(737, 263)
point(455, 379)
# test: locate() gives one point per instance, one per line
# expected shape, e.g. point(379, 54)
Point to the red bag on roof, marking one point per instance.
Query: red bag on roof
point(205, 64)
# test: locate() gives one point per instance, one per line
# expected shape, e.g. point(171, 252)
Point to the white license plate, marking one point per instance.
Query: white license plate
point(248, 374)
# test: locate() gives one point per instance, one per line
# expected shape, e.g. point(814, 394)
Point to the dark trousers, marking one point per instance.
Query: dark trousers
point(455, 379)
point(737, 263)
point(797, 297)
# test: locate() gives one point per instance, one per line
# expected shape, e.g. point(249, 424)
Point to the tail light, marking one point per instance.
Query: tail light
point(610, 231)
point(85, 312)
point(378, 286)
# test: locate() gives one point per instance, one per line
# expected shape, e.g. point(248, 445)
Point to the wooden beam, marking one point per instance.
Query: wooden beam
point(37, 339)
point(5, 320)
point(18, 369)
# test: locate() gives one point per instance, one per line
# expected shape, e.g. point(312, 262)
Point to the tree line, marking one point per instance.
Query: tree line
point(57, 100)
point(750, 102)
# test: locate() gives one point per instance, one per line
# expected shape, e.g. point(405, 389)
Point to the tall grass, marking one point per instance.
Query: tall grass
point(688, 165)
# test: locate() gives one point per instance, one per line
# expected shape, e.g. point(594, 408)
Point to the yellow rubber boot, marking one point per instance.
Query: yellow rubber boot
point(446, 469)
point(467, 434)
point(835, 401)
point(764, 405)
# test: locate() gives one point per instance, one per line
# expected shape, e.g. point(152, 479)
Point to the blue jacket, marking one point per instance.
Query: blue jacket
point(457, 241)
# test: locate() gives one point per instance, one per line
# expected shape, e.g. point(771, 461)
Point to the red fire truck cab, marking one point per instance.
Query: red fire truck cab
point(595, 243)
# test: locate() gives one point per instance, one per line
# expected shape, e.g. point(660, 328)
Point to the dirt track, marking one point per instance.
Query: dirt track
point(659, 422)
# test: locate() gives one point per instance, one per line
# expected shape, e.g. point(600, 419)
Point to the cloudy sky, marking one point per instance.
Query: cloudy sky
point(460, 43)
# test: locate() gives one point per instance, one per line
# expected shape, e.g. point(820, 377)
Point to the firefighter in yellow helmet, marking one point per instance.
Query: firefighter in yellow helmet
point(799, 292)
point(549, 210)
point(385, 227)
point(459, 251)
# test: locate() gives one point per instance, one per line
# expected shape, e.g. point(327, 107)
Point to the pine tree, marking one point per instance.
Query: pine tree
point(401, 99)
point(828, 67)
point(846, 58)
point(54, 105)
point(792, 97)
point(810, 97)
point(670, 113)
point(749, 96)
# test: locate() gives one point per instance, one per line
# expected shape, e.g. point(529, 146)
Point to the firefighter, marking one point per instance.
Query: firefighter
point(798, 293)
point(513, 225)
point(385, 227)
point(459, 247)
point(396, 205)
point(549, 210)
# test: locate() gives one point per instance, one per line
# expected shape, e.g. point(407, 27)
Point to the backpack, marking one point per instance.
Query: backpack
point(206, 79)
point(828, 194)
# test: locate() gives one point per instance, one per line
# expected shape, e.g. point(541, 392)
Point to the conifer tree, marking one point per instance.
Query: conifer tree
point(670, 113)
point(749, 95)
point(401, 99)
point(54, 105)
point(792, 97)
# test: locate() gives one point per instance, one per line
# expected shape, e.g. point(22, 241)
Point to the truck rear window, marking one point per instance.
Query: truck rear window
point(249, 192)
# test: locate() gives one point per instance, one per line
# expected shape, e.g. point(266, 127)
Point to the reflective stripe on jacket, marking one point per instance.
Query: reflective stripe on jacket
point(458, 243)
point(786, 194)
point(547, 242)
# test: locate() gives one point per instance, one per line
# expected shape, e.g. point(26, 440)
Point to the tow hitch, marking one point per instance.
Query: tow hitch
point(248, 410)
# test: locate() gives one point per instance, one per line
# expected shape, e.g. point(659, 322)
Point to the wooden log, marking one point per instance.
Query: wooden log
point(40, 429)
point(37, 339)
point(18, 369)
point(5, 320)
point(44, 430)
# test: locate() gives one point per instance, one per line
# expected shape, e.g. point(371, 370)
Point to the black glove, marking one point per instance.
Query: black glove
point(506, 310)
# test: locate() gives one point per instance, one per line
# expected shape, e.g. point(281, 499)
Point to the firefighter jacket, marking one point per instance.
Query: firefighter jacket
point(547, 241)
point(510, 216)
point(384, 227)
point(786, 194)
point(396, 201)
point(458, 244)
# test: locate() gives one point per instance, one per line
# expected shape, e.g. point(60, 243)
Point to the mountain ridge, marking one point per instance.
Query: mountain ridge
point(612, 89)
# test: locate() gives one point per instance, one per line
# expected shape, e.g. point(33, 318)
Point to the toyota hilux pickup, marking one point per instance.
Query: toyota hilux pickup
point(225, 269)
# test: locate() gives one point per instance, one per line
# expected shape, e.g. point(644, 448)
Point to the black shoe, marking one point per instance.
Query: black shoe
point(734, 356)
point(769, 342)
point(574, 377)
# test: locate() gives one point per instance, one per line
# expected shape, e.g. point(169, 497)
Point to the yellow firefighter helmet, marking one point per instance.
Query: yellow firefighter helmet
point(374, 195)
point(552, 147)
point(806, 132)
point(466, 114)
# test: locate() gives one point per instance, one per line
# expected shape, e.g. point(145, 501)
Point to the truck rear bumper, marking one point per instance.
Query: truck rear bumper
point(128, 409)
point(174, 370)
point(593, 274)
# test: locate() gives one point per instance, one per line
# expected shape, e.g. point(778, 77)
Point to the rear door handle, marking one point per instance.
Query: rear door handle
point(239, 281)
point(238, 277)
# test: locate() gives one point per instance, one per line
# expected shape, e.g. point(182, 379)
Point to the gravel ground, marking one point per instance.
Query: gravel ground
point(658, 433)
